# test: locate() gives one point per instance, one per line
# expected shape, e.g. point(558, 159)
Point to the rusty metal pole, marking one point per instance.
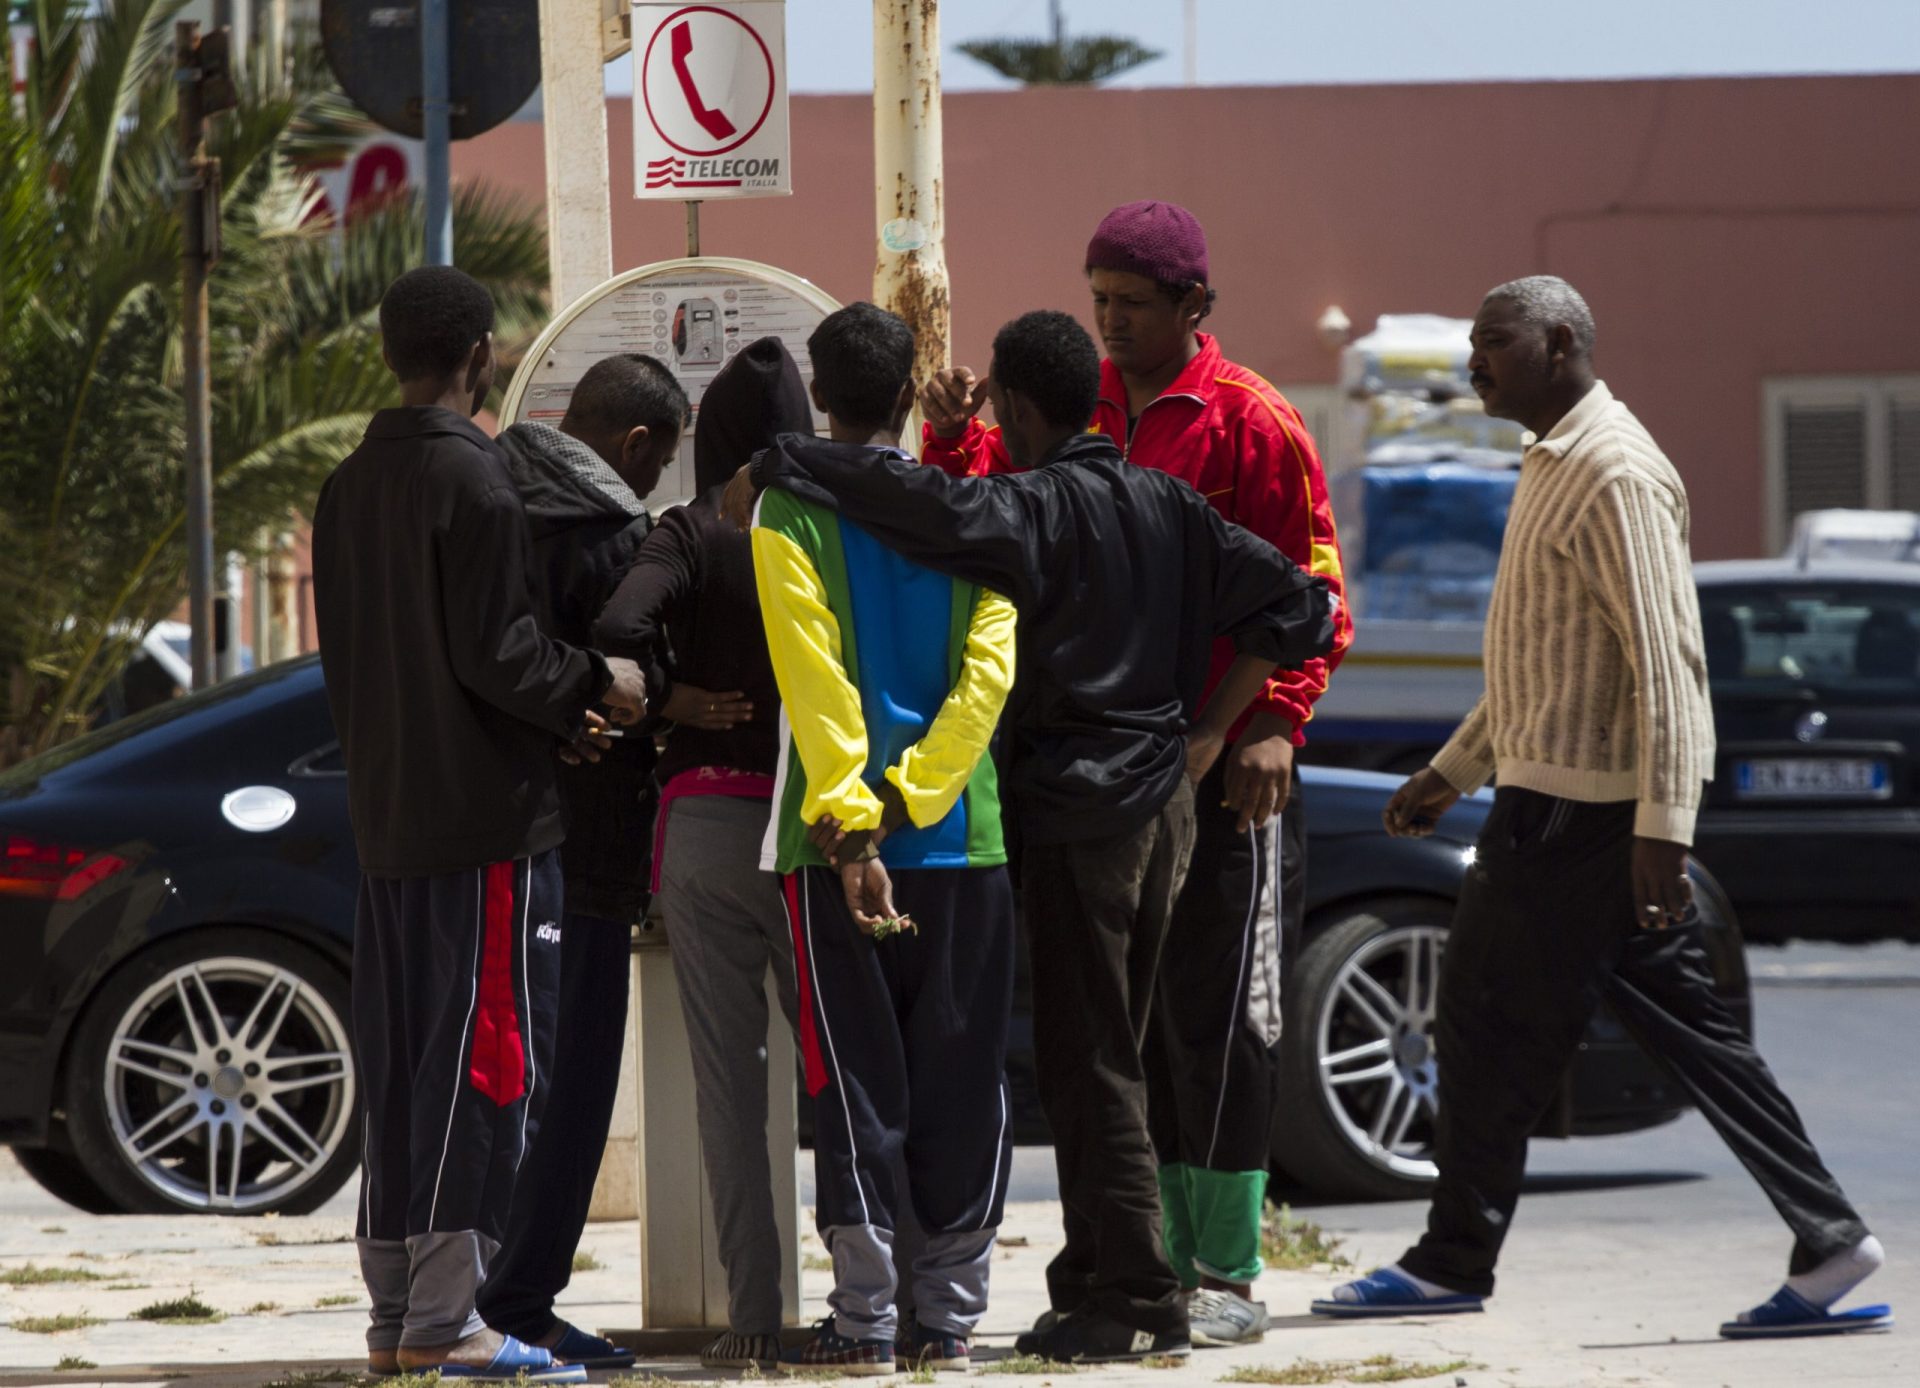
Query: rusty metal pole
point(193, 349)
point(910, 271)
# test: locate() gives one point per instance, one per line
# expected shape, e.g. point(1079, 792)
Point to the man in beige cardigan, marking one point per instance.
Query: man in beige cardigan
point(1597, 725)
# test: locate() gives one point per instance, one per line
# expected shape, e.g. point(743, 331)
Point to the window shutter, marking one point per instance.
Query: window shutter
point(1903, 453)
point(1826, 456)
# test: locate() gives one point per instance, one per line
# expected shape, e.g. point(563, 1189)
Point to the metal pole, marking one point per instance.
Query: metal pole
point(193, 348)
point(1191, 61)
point(435, 121)
point(910, 271)
point(693, 227)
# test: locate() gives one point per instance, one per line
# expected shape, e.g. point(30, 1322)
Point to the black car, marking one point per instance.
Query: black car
point(177, 891)
point(1813, 818)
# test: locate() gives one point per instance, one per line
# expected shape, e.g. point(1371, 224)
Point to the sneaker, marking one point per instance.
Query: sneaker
point(1029, 1341)
point(1222, 1318)
point(1090, 1337)
point(936, 1349)
point(834, 1352)
point(736, 1351)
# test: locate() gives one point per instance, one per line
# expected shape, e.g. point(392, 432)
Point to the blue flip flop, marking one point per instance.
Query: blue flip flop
point(515, 1358)
point(1384, 1292)
point(591, 1352)
point(1788, 1314)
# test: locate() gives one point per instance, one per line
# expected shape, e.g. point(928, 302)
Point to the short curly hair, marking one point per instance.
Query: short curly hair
point(628, 390)
point(430, 318)
point(1048, 357)
point(861, 355)
point(1177, 290)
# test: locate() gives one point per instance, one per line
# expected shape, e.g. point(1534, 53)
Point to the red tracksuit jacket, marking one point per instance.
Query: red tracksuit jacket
point(1234, 439)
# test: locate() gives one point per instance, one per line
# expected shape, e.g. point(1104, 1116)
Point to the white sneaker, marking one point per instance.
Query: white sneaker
point(1219, 1319)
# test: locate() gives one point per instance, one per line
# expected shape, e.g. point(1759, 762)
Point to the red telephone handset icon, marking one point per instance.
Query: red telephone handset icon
point(711, 121)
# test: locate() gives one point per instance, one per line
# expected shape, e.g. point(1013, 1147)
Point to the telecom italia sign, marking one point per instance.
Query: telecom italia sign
point(710, 100)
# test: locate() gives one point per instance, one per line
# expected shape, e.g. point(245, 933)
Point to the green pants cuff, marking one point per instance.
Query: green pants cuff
point(1225, 1209)
point(1176, 1224)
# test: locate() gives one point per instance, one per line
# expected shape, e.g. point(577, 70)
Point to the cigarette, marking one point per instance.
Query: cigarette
point(607, 732)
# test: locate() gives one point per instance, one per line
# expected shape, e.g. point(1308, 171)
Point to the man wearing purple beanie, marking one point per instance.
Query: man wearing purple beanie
point(1173, 402)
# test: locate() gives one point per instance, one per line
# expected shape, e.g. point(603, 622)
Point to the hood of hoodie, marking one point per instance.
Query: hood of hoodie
point(756, 397)
point(562, 482)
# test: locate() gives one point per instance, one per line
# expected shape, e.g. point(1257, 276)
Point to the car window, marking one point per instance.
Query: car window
point(1839, 640)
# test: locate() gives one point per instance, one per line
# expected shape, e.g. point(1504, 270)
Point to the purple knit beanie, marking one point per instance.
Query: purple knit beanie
point(1160, 240)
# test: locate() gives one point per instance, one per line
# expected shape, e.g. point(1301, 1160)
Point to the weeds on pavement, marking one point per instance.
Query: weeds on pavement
point(814, 1262)
point(1381, 1368)
point(182, 1310)
point(646, 1380)
point(55, 1325)
point(74, 1361)
point(1025, 1364)
point(31, 1276)
point(339, 1299)
point(126, 1286)
point(584, 1261)
point(1164, 1361)
point(262, 1308)
point(920, 1373)
point(1287, 1241)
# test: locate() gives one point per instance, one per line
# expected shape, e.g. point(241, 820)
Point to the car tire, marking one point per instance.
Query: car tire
point(1329, 1108)
point(61, 1175)
point(212, 1073)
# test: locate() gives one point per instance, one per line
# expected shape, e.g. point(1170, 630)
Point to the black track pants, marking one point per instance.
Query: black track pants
point(1543, 931)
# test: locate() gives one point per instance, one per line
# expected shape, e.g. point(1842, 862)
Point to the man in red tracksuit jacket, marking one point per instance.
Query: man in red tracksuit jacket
point(1174, 402)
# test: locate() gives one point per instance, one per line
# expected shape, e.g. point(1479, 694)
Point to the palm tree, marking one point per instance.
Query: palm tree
point(92, 511)
point(1060, 61)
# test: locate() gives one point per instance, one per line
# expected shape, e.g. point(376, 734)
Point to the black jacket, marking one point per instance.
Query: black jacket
point(587, 526)
point(1122, 575)
point(688, 609)
point(447, 696)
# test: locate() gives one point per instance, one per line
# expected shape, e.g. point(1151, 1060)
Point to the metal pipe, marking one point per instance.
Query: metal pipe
point(193, 350)
point(573, 98)
point(910, 271)
point(436, 130)
point(1191, 59)
point(693, 227)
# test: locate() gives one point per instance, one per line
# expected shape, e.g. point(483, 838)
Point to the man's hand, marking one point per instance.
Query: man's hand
point(1417, 806)
point(627, 695)
point(1662, 892)
point(1259, 778)
point(590, 744)
point(950, 399)
point(1203, 749)
point(826, 836)
point(695, 707)
point(736, 502)
point(869, 894)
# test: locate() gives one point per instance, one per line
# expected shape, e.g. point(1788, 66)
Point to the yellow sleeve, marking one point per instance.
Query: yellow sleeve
point(823, 707)
point(934, 771)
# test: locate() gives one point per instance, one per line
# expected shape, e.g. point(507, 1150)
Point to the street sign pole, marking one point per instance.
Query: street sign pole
point(910, 269)
point(436, 120)
point(573, 102)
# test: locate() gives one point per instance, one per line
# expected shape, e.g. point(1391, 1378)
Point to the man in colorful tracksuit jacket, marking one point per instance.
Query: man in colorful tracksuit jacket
point(1173, 402)
point(892, 679)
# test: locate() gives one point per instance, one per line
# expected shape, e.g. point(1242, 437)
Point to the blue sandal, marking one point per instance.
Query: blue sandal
point(515, 1358)
point(1384, 1292)
point(1788, 1314)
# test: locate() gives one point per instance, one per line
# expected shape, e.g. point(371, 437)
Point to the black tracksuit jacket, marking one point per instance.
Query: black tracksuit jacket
point(1123, 576)
point(448, 698)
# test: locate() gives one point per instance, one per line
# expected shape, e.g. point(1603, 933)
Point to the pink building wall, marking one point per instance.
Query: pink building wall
point(1724, 230)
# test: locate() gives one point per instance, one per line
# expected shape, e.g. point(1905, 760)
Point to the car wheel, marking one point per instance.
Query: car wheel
point(63, 1177)
point(214, 1073)
point(1358, 1078)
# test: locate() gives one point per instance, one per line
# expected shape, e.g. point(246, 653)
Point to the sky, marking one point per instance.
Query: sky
point(1287, 42)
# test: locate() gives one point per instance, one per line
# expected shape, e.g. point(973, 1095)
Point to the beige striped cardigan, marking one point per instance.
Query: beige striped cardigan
point(1596, 676)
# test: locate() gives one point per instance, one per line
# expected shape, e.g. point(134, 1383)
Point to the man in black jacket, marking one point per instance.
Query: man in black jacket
point(584, 486)
point(1122, 577)
point(450, 703)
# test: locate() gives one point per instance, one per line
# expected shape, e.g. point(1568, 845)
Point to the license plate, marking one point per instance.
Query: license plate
point(1813, 778)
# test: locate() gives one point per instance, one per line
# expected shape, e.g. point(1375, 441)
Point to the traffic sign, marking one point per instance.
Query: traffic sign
point(373, 47)
point(710, 100)
point(690, 315)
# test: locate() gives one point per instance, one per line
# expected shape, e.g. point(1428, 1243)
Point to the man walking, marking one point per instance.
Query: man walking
point(450, 703)
point(1597, 724)
point(584, 486)
point(1172, 401)
point(1124, 578)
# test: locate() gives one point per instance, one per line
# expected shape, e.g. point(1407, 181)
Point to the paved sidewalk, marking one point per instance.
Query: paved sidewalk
point(1588, 1312)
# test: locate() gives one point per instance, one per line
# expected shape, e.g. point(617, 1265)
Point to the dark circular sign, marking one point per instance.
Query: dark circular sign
point(373, 47)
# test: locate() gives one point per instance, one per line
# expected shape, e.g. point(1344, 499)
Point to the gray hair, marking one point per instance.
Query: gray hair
point(1547, 301)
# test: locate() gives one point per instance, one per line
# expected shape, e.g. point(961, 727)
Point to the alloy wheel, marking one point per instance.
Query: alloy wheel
point(1378, 1074)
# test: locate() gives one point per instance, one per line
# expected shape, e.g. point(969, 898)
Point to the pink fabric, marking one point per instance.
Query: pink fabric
point(703, 780)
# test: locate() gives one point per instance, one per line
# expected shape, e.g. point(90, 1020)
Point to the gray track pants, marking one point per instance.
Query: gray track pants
point(727, 923)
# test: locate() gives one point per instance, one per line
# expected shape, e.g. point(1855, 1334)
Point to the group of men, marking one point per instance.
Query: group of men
point(873, 708)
